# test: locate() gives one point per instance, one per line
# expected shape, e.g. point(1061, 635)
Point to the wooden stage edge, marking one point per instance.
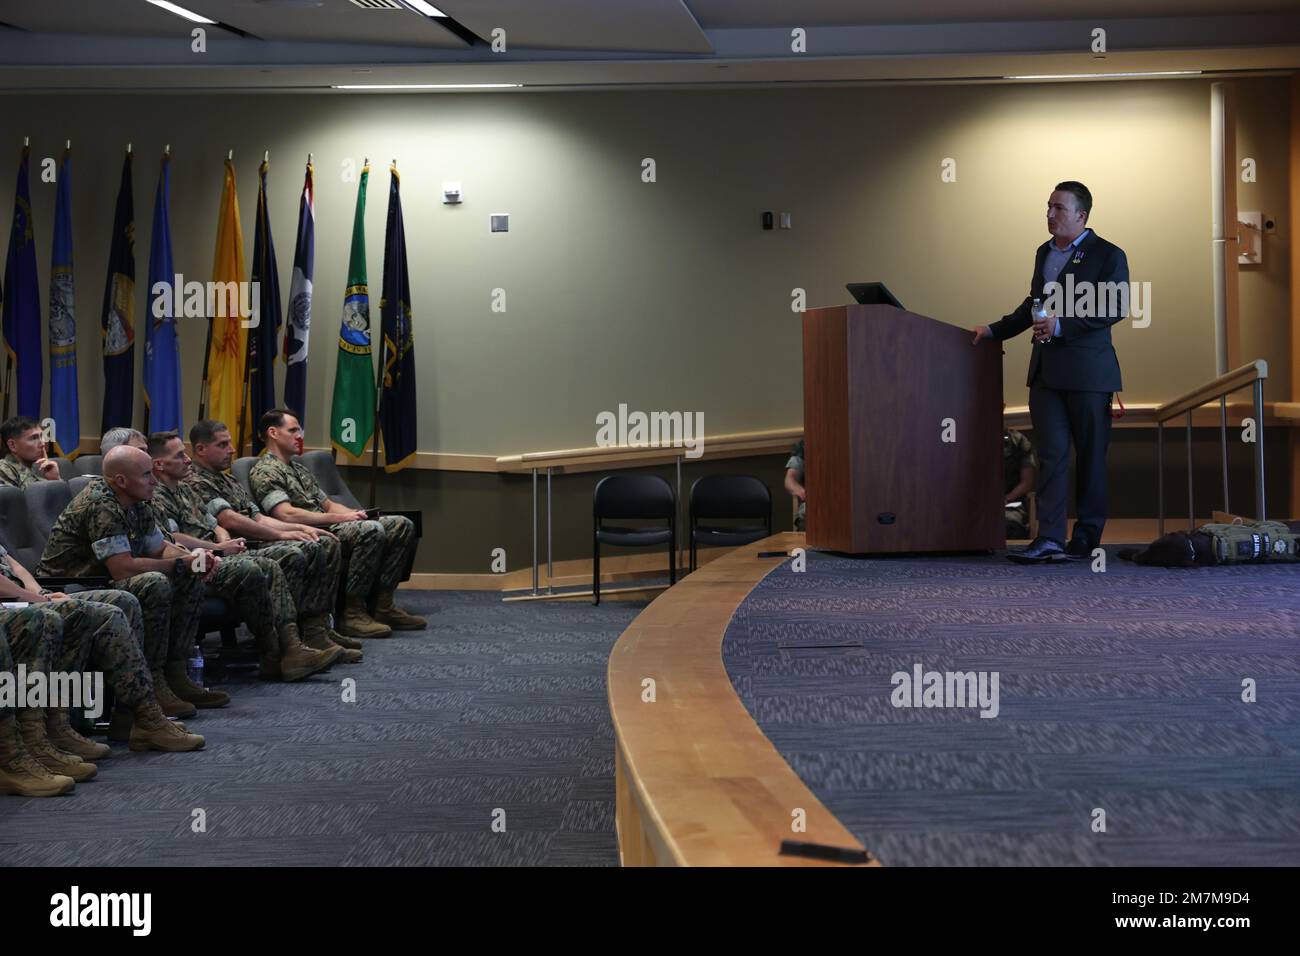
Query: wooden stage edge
point(697, 783)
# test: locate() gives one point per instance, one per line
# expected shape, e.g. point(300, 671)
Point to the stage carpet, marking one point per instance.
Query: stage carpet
point(1120, 704)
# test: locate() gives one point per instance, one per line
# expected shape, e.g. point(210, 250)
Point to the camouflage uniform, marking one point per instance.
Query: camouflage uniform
point(29, 635)
point(311, 568)
point(1017, 453)
point(93, 630)
point(379, 550)
point(15, 474)
point(796, 462)
point(95, 526)
point(253, 584)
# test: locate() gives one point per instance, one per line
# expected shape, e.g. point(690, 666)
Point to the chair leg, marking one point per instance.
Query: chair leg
point(672, 557)
point(693, 559)
point(595, 571)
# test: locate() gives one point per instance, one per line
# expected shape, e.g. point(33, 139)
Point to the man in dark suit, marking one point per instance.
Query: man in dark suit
point(1073, 371)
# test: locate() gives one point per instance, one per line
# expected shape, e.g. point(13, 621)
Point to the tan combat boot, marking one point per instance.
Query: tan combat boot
point(319, 637)
point(171, 705)
point(21, 774)
point(153, 731)
point(357, 621)
point(119, 727)
point(307, 624)
point(31, 725)
point(298, 660)
point(386, 612)
point(61, 733)
point(190, 692)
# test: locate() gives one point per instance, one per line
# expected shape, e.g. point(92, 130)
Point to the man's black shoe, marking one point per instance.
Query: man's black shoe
point(1079, 549)
point(1041, 550)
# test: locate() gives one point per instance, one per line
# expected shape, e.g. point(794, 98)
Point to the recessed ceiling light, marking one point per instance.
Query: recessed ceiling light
point(426, 86)
point(419, 6)
point(182, 12)
point(1097, 76)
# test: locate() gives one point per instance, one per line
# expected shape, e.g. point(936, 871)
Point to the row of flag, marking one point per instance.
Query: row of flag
point(238, 369)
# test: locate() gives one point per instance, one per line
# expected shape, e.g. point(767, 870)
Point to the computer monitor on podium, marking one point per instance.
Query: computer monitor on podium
point(872, 293)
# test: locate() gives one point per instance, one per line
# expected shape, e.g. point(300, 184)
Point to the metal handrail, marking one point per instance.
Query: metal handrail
point(1247, 376)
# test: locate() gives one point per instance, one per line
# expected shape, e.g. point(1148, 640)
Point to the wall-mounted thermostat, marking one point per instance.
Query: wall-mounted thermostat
point(451, 192)
point(500, 222)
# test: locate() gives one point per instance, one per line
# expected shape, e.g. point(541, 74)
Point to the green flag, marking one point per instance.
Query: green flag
point(352, 417)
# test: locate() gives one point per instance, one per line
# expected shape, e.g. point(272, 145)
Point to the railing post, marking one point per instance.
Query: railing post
point(1191, 508)
point(1223, 447)
point(534, 530)
point(550, 566)
point(1259, 449)
point(679, 511)
point(1160, 479)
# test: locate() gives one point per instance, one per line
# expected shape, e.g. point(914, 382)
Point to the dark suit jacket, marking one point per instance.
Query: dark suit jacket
point(1081, 358)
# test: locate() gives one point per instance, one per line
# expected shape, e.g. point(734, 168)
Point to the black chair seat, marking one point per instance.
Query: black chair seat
point(634, 537)
point(728, 497)
point(633, 497)
point(729, 537)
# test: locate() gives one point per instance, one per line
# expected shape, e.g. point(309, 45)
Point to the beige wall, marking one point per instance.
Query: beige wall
point(668, 295)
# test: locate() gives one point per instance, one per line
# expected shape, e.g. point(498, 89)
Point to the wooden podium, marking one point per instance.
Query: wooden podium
point(879, 388)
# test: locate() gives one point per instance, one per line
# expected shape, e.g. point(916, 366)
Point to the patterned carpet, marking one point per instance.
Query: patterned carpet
point(1119, 692)
point(495, 706)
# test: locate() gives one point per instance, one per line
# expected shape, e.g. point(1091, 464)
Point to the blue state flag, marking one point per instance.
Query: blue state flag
point(64, 406)
point(22, 303)
point(162, 363)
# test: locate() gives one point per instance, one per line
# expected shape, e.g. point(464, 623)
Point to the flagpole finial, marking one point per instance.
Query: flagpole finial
point(167, 150)
point(69, 145)
point(27, 141)
point(266, 157)
point(366, 161)
point(230, 154)
point(128, 147)
point(309, 159)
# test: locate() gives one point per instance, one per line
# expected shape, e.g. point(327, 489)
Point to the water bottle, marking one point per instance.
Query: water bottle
point(194, 666)
point(1039, 311)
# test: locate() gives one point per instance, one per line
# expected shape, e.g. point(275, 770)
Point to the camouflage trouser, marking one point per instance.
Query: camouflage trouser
point(311, 569)
point(255, 587)
point(1017, 522)
point(96, 631)
point(378, 552)
point(171, 607)
point(801, 517)
point(32, 636)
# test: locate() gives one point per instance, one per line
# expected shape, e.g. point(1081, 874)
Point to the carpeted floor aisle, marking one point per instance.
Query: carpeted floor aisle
point(495, 706)
point(1119, 691)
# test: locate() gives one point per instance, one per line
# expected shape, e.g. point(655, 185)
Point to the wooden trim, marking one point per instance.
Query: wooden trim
point(613, 569)
point(696, 782)
point(719, 446)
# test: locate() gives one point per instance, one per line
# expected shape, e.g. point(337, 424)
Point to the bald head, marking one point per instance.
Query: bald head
point(129, 472)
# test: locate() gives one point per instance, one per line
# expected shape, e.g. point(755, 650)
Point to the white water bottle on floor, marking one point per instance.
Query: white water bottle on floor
point(194, 666)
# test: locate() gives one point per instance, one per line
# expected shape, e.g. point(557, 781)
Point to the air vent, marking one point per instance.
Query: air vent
point(377, 4)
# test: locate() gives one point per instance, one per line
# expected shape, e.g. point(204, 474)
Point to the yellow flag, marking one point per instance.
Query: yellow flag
point(229, 337)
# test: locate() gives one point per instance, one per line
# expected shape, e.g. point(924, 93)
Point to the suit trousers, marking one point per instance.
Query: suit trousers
point(1060, 417)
